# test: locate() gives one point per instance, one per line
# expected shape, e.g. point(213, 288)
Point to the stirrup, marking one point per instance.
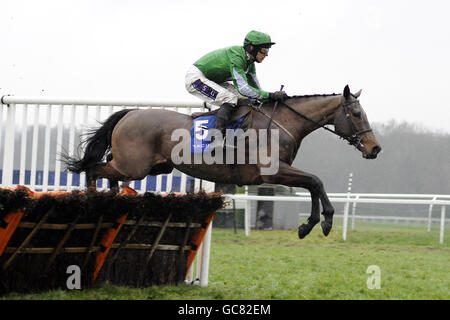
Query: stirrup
point(216, 144)
point(228, 146)
point(221, 144)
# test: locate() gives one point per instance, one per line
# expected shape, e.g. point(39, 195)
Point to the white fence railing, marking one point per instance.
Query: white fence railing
point(37, 164)
point(357, 196)
point(431, 200)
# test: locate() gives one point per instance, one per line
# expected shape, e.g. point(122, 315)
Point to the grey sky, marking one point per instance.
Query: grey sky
point(398, 52)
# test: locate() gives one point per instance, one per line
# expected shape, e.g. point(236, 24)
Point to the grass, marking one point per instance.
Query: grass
point(277, 265)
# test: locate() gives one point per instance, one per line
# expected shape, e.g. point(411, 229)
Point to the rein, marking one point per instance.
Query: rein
point(354, 139)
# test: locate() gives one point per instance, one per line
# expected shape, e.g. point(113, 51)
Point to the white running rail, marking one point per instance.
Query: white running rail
point(345, 198)
point(66, 118)
point(387, 196)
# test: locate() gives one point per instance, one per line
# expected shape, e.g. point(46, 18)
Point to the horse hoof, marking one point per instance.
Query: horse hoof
point(326, 227)
point(303, 231)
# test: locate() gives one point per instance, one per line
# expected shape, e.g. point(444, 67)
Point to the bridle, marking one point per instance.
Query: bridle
point(354, 139)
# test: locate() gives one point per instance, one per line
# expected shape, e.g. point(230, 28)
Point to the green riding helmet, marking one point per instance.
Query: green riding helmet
point(259, 39)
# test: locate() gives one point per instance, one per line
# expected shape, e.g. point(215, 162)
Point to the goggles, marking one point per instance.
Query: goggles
point(264, 50)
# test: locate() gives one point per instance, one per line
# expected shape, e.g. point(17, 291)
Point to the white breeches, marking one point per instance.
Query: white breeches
point(209, 91)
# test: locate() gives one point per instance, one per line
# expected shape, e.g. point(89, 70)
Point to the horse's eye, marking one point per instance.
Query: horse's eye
point(357, 114)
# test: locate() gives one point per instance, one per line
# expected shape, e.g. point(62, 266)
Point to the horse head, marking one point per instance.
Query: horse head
point(350, 121)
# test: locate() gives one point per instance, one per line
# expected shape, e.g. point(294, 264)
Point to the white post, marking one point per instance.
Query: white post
point(2, 106)
point(354, 213)
point(71, 146)
point(197, 183)
point(46, 168)
point(34, 148)
point(430, 212)
point(23, 145)
point(57, 181)
point(441, 236)
point(190, 276)
point(247, 214)
point(84, 131)
point(158, 186)
point(198, 262)
point(205, 257)
point(346, 208)
point(8, 151)
point(169, 180)
point(183, 183)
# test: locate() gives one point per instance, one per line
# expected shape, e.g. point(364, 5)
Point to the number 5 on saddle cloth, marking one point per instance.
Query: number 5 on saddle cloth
point(200, 137)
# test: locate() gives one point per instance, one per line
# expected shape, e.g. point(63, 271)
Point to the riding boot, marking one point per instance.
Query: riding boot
point(222, 118)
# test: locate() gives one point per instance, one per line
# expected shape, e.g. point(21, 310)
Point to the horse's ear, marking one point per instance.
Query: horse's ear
point(358, 94)
point(346, 92)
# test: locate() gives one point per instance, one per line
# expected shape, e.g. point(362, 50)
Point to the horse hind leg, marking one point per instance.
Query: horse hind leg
point(161, 168)
point(105, 170)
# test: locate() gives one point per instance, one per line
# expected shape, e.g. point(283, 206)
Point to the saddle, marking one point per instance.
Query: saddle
point(242, 110)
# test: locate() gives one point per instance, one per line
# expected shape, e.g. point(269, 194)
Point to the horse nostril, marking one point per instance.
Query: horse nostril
point(376, 150)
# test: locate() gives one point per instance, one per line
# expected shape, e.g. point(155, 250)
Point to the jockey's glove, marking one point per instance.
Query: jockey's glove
point(278, 96)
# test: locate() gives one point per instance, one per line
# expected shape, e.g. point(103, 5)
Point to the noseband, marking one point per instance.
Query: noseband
point(354, 139)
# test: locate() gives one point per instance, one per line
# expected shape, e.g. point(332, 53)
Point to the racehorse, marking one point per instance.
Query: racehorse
point(139, 142)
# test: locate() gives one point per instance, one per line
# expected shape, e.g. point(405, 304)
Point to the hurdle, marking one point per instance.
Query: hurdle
point(33, 130)
point(130, 239)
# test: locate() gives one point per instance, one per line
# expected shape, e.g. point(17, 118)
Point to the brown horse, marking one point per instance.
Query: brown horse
point(141, 143)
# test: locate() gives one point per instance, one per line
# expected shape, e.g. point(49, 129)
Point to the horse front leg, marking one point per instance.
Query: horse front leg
point(293, 177)
point(313, 219)
point(328, 212)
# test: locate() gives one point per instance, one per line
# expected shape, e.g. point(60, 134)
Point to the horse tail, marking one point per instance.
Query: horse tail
point(97, 144)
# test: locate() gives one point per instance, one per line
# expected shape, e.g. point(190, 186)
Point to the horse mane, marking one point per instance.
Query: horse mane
point(316, 95)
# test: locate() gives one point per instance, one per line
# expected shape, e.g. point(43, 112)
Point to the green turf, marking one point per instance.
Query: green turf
point(277, 265)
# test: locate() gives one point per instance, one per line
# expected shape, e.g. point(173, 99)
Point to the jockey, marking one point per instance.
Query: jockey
point(207, 77)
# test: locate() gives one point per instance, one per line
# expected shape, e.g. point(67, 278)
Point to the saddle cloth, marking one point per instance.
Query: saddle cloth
point(200, 139)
